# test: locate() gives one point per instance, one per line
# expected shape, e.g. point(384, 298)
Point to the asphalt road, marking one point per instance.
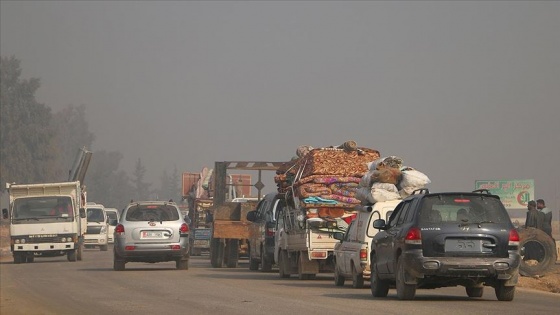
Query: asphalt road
point(56, 286)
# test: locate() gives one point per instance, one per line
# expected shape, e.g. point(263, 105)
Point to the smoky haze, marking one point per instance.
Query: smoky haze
point(461, 91)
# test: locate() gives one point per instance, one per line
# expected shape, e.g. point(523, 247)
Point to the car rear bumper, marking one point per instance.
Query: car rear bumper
point(152, 252)
point(419, 266)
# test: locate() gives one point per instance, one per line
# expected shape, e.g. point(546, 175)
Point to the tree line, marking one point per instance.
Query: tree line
point(39, 145)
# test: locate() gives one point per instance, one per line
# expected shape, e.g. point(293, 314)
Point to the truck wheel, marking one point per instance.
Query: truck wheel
point(182, 264)
point(504, 293)
point(379, 288)
point(266, 263)
point(19, 258)
point(338, 278)
point(216, 253)
point(103, 248)
point(404, 291)
point(475, 291)
point(80, 251)
point(538, 252)
point(283, 264)
point(232, 250)
point(71, 255)
point(253, 262)
point(357, 279)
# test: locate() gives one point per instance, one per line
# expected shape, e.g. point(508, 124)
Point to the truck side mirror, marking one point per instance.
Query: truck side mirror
point(82, 213)
point(252, 216)
point(5, 215)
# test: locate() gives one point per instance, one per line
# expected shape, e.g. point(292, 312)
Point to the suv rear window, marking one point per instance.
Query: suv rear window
point(462, 208)
point(152, 213)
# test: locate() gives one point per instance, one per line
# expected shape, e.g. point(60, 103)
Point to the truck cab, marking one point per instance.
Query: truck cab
point(97, 227)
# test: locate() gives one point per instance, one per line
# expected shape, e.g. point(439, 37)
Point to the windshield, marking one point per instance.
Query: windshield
point(112, 215)
point(152, 213)
point(42, 209)
point(95, 215)
point(463, 209)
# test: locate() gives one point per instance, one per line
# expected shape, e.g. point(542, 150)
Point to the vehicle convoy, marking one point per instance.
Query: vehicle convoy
point(151, 231)
point(97, 234)
point(230, 228)
point(261, 239)
point(113, 218)
point(46, 219)
point(324, 188)
point(435, 240)
point(352, 252)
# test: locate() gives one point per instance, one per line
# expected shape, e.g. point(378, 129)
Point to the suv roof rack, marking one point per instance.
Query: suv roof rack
point(482, 191)
point(420, 191)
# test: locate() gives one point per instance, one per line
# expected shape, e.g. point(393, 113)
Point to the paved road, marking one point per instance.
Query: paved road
point(55, 286)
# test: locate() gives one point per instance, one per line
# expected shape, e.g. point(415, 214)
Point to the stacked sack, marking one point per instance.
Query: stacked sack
point(326, 180)
point(387, 179)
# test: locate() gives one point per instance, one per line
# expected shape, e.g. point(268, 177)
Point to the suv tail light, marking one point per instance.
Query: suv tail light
point(363, 254)
point(184, 229)
point(413, 236)
point(119, 229)
point(513, 238)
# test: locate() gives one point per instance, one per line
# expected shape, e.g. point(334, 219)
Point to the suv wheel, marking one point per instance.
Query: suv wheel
point(404, 291)
point(338, 278)
point(475, 291)
point(283, 264)
point(118, 265)
point(357, 279)
point(266, 264)
point(504, 293)
point(379, 288)
point(182, 264)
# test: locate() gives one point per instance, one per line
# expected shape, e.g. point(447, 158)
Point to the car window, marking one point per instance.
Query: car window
point(403, 217)
point(95, 215)
point(394, 216)
point(152, 213)
point(351, 232)
point(111, 215)
point(462, 208)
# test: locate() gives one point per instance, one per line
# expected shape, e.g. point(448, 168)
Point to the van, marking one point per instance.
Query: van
point(113, 217)
point(352, 252)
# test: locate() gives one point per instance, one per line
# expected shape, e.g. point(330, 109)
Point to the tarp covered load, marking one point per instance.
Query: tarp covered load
point(326, 180)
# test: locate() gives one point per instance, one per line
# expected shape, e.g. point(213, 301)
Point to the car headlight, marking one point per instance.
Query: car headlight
point(104, 230)
point(63, 239)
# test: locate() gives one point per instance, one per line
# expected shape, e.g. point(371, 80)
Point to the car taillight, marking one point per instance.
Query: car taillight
point(513, 238)
point(363, 254)
point(119, 229)
point(413, 236)
point(184, 228)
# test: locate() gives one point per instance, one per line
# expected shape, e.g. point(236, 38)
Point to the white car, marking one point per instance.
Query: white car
point(97, 227)
point(113, 219)
point(352, 252)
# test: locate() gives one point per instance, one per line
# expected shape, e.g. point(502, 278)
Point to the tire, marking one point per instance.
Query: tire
point(304, 276)
point(283, 263)
point(404, 291)
point(253, 263)
point(538, 252)
point(216, 253)
point(474, 292)
point(80, 251)
point(357, 279)
point(182, 264)
point(504, 293)
point(232, 250)
point(118, 265)
point(103, 248)
point(19, 258)
point(338, 278)
point(266, 263)
point(30, 259)
point(71, 255)
point(379, 288)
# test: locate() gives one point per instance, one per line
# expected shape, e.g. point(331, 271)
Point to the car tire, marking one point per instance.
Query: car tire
point(71, 255)
point(357, 279)
point(283, 264)
point(182, 264)
point(504, 293)
point(537, 241)
point(338, 278)
point(379, 288)
point(79, 251)
point(266, 263)
point(118, 265)
point(253, 262)
point(216, 253)
point(232, 250)
point(475, 292)
point(103, 248)
point(404, 291)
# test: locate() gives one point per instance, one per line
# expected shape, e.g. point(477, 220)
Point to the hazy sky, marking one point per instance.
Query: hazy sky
point(460, 90)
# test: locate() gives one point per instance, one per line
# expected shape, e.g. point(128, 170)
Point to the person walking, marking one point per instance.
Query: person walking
point(547, 214)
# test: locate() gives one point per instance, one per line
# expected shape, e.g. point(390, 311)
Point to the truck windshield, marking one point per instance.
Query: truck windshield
point(34, 209)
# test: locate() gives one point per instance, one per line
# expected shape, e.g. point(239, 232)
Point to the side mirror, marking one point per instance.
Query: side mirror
point(112, 222)
point(338, 236)
point(379, 224)
point(5, 214)
point(252, 216)
point(83, 213)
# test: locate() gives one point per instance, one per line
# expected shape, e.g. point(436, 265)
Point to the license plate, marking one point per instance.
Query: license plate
point(151, 234)
point(455, 245)
point(201, 243)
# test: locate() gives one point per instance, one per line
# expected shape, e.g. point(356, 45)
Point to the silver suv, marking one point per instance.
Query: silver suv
point(151, 231)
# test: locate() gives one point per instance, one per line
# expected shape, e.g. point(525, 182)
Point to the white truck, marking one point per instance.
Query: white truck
point(46, 219)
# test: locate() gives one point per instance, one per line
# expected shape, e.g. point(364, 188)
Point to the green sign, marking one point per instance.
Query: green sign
point(515, 194)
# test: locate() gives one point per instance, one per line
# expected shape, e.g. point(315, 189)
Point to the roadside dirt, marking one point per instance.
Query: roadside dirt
point(550, 282)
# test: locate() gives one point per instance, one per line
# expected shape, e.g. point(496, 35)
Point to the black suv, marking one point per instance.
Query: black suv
point(435, 240)
point(261, 243)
